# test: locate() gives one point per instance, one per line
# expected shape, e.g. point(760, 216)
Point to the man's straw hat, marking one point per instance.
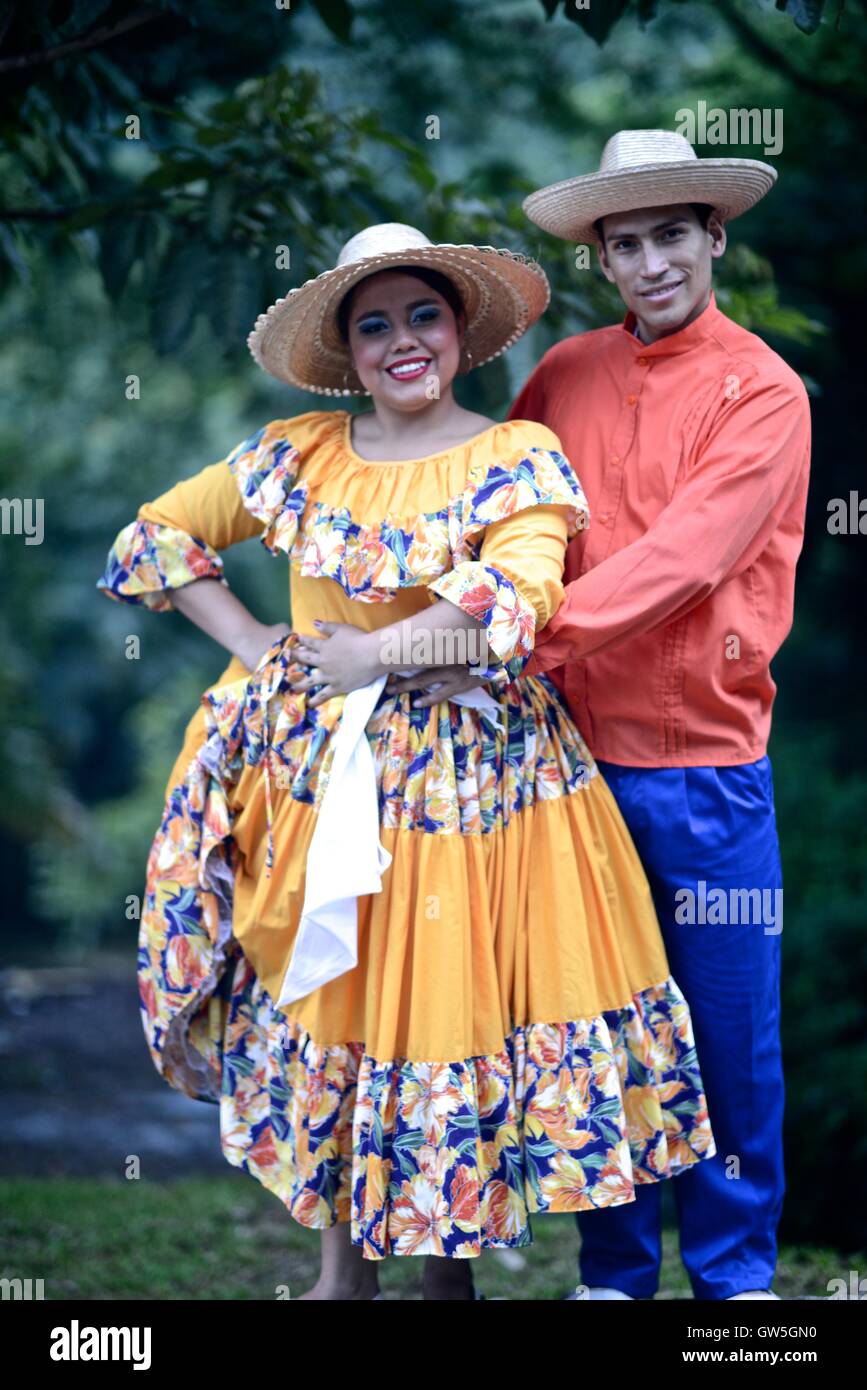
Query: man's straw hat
point(645, 169)
point(297, 339)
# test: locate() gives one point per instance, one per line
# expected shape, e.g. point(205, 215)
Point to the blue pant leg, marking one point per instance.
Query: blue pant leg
point(621, 1247)
point(717, 826)
point(730, 975)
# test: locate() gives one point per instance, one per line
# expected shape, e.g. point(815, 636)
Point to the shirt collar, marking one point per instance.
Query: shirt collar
point(673, 343)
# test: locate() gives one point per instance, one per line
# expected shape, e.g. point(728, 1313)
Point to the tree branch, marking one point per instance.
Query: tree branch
point(135, 204)
point(767, 54)
point(94, 40)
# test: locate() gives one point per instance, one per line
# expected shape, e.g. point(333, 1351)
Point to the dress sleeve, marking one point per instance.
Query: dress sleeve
point(176, 538)
point(518, 514)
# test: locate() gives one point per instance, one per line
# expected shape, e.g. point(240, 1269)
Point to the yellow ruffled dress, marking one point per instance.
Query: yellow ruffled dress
point(511, 1040)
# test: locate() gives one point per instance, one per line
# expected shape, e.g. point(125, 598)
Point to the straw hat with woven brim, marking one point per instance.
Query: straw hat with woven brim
point(298, 341)
point(646, 169)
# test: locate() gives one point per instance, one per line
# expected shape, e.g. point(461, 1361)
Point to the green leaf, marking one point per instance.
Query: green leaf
point(175, 171)
point(87, 215)
point(337, 15)
point(82, 18)
point(180, 289)
point(598, 19)
point(807, 14)
point(13, 254)
point(234, 298)
point(229, 110)
point(210, 135)
point(419, 170)
point(220, 208)
point(154, 232)
point(118, 249)
point(114, 79)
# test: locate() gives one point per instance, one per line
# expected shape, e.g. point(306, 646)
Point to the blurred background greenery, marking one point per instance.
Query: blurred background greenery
point(152, 256)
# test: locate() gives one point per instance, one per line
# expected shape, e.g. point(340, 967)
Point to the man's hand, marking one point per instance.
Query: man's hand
point(450, 680)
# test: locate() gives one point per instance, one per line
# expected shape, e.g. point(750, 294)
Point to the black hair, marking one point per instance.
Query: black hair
point(701, 210)
point(434, 279)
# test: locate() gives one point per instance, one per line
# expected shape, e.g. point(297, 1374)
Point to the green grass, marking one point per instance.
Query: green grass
point(230, 1239)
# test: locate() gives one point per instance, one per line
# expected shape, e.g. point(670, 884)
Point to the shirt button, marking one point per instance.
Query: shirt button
point(642, 361)
point(604, 516)
point(630, 400)
point(615, 458)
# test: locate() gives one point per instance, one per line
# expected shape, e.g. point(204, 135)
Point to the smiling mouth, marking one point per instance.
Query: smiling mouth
point(409, 369)
point(661, 291)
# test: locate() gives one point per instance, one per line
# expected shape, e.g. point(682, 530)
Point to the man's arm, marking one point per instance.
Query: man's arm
point(716, 525)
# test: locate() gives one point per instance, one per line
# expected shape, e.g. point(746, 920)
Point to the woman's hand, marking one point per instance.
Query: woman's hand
point(436, 683)
point(256, 640)
point(343, 659)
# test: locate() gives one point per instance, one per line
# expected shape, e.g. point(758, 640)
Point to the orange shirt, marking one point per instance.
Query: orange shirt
point(694, 454)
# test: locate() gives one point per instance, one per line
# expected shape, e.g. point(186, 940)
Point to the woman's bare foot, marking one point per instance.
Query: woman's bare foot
point(446, 1278)
point(345, 1274)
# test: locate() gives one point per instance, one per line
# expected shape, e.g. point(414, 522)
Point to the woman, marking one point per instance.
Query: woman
point(411, 952)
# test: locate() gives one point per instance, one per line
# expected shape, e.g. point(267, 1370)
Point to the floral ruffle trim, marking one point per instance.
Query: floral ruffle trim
point(372, 561)
point(149, 559)
point(437, 1158)
point(185, 935)
point(265, 468)
point(538, 477)
point(508, 620)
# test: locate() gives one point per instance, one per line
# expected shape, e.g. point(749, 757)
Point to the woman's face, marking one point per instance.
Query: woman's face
point(404, 339)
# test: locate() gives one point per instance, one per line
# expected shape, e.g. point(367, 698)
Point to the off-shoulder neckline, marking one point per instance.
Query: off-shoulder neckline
point(346, 440)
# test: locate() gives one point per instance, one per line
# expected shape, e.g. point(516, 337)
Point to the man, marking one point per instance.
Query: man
point(691, 438)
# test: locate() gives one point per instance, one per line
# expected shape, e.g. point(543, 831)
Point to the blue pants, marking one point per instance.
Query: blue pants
point(716, 825)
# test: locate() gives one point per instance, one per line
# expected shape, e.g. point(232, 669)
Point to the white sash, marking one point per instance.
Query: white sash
point(346, 859)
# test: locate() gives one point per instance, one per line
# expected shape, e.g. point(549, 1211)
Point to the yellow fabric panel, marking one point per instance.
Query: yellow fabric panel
point(455, 921)
point(324, 599)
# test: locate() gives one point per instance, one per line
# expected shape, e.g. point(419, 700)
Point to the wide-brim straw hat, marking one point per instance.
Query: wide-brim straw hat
point(643, 169)
point(297, 339)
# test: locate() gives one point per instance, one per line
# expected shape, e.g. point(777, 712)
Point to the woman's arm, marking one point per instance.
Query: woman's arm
point(221, 614)
point(503, 596)
point(169, 556)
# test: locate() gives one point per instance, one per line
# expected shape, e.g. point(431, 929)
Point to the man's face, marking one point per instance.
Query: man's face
point(660, 259)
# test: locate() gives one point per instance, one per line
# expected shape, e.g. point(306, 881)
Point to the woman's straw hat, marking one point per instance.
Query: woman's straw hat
point(297, 339)
point(645, 169)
